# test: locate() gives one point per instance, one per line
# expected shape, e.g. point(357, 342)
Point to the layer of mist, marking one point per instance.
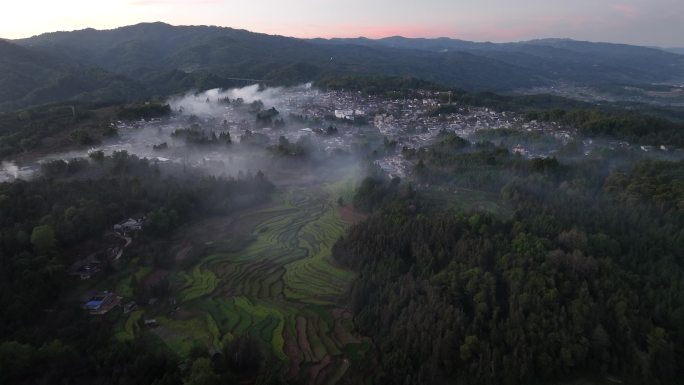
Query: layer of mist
point(221, 133)
point(293, 133)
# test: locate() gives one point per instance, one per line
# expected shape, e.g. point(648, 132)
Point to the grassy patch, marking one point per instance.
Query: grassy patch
point(315, 279)
point(124, 288)
point(199, 283)
point(356, 351)
point(129, 329)
point(181, 336)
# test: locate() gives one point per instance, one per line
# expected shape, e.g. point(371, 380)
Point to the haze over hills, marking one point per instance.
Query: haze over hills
point(159, 59)
point(557, 59)
point(679, 51)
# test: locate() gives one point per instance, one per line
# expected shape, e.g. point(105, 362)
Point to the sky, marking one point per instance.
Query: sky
point(643, 22)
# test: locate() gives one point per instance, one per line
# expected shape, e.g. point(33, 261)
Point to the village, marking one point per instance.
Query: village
point(307, 111)
point(416, 122)
point(407, 122)
point(112, 248)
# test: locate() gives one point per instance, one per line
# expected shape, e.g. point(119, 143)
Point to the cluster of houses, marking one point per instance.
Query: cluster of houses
point(130, 226)
point(349, 114)
point(87, 267)
point(100, 303)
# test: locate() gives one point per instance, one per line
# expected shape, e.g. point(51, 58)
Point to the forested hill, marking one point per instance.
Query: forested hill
point(583, 281)
point(165, 59)
point(149, 51)
point(679, 51)
point(563, 60)
point(29, 77)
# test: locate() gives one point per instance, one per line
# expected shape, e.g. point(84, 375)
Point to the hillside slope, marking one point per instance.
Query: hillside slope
point(30, 77)
point(161, 59)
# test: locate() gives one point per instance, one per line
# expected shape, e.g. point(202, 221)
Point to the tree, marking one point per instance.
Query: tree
point(202, 373)
point(97, 156)
point(43, 239)
point(243, 356)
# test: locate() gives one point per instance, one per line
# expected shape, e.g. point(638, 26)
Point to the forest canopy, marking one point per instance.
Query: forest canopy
point(583, 281)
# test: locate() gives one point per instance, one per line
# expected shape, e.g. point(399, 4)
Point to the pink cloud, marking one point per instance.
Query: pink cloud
point(485, 31)
point(356, 30)
point(626, 10)
point(482, 29)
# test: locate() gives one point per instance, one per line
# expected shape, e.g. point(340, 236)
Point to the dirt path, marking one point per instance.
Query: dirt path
point(292, 353)
point(127, 240)
point(183, 252)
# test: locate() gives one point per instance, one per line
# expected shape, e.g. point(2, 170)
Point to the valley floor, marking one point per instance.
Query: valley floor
point(279, 287)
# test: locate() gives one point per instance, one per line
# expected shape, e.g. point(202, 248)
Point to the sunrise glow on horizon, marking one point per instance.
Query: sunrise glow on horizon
point(655, 22)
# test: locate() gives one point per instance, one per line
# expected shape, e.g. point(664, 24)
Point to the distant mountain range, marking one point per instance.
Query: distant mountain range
point(150, 59)
point(679, 51)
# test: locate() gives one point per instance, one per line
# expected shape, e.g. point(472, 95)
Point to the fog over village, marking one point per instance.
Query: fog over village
point(306, 111)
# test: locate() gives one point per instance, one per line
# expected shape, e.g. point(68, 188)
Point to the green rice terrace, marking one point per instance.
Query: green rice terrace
point(266, 273)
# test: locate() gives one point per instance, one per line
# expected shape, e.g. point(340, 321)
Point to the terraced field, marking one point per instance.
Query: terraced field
point(282, 289)
point(130, 328)
point(198, 283)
